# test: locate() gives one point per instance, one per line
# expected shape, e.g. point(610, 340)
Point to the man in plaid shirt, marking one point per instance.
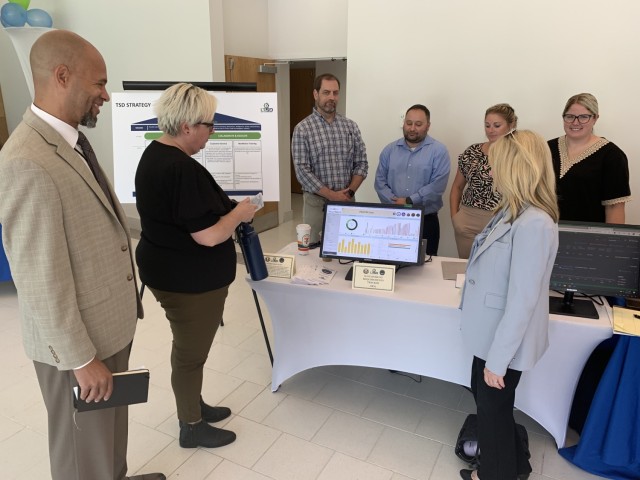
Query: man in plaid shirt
point(329, 155)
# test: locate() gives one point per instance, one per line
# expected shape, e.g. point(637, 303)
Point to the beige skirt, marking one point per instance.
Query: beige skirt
point(467, 223)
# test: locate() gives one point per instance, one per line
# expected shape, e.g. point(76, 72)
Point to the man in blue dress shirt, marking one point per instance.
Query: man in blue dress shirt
point(414, 171)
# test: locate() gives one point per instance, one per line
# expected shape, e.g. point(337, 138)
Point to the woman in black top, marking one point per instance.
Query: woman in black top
point(186, 255)
point(592, 179)
point(592, 173)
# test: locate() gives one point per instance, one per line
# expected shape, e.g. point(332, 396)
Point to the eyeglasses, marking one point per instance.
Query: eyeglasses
point(511, 132)
point(207, 124)
point(582, 119)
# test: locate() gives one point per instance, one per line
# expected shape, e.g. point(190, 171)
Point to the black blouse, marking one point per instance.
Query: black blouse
point(176, 196)
point(597, 178)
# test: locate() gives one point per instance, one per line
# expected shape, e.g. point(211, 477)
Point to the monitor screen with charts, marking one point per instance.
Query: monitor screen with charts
point(372, 232)
point(594, 259)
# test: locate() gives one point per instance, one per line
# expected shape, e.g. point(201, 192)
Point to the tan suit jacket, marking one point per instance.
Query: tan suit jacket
point(69, 251)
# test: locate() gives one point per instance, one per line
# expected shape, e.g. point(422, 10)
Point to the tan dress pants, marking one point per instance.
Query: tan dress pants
point(87, 445)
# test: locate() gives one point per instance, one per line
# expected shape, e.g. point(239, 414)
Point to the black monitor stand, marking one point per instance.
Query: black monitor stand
point(349, 275)
point(572, 307)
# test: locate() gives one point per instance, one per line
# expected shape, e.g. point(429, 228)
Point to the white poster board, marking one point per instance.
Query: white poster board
point(241, 154)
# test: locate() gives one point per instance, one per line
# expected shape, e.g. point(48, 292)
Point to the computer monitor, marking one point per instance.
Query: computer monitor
point(594, 259)
point(373, 232)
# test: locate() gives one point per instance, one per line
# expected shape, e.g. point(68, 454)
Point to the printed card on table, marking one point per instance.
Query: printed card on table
point(372, 276)
point(280, 265)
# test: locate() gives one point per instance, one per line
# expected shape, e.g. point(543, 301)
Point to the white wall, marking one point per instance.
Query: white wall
point(306, 29)
point(246, 27)
point(285, 211)
point(461, 56)
point(216, 17)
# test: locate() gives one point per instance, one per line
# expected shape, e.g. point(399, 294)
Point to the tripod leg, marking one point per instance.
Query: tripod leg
point(264, 329)
point(255, 299)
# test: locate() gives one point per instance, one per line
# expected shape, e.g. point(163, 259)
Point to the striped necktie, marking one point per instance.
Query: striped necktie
point(90, 156)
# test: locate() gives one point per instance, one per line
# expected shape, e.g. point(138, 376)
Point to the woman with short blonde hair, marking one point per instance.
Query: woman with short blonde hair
point(184, 103)
point(186, 254)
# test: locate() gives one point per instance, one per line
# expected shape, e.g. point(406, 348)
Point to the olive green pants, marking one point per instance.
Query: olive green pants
point(194, 320)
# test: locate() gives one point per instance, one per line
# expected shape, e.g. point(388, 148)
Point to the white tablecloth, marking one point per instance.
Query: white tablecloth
point(414, 329)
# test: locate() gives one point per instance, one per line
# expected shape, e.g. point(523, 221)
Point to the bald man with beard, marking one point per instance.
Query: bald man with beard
point(69, 250)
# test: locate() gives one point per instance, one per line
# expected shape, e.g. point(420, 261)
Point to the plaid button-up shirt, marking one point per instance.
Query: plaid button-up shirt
point(327, 154)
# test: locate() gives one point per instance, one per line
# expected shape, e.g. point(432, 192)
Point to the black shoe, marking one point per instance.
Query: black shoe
point(466, 474)
point(202, 434)
point(213, 414)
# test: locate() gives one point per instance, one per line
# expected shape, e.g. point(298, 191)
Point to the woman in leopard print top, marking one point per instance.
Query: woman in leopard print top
point(472, 197)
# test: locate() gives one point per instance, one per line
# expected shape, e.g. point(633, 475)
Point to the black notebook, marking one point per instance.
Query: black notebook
point(129, 387)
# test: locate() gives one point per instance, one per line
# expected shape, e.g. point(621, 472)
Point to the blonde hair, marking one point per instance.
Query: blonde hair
point(184, 103)
point(587, 100)
point(506, 111)
point(523, 174)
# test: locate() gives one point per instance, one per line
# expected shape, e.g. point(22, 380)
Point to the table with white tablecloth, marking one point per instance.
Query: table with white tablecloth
point(414, 329)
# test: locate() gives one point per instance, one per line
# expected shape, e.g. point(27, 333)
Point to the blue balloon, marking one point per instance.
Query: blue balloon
point(37, 17)
point(13, 15)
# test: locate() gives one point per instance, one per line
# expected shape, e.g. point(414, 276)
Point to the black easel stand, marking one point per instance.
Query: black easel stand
point(255, 299)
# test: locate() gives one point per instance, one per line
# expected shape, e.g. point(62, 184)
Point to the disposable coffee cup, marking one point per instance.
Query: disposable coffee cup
point(303, 231)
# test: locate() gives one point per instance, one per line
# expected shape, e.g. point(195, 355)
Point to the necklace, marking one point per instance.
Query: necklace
point(566, 162)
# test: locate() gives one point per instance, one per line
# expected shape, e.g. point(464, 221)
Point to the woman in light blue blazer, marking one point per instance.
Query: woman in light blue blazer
point(505, 305)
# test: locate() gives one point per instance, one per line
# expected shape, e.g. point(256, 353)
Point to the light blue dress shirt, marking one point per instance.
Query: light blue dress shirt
point(420, 173)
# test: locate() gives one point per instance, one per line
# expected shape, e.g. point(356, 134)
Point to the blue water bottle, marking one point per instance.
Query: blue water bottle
point(252, 251)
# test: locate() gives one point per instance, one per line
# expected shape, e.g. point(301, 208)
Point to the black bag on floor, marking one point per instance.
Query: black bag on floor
point(467, 443)
point(468, 437)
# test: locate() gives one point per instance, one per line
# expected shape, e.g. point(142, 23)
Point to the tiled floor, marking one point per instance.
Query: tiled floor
point(331, 423)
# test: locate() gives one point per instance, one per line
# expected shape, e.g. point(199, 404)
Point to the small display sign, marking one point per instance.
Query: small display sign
point(280, 265)
point(373, 276)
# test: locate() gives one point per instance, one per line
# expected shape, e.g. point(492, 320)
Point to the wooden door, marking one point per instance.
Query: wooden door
point(301, 104)
point(245, 69)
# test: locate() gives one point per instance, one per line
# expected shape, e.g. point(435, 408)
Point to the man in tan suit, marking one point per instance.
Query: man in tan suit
point(69, 249)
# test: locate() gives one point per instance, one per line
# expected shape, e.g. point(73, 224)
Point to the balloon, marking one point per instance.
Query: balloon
point(23, 3)
point(13, 15)
point(39, 18)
